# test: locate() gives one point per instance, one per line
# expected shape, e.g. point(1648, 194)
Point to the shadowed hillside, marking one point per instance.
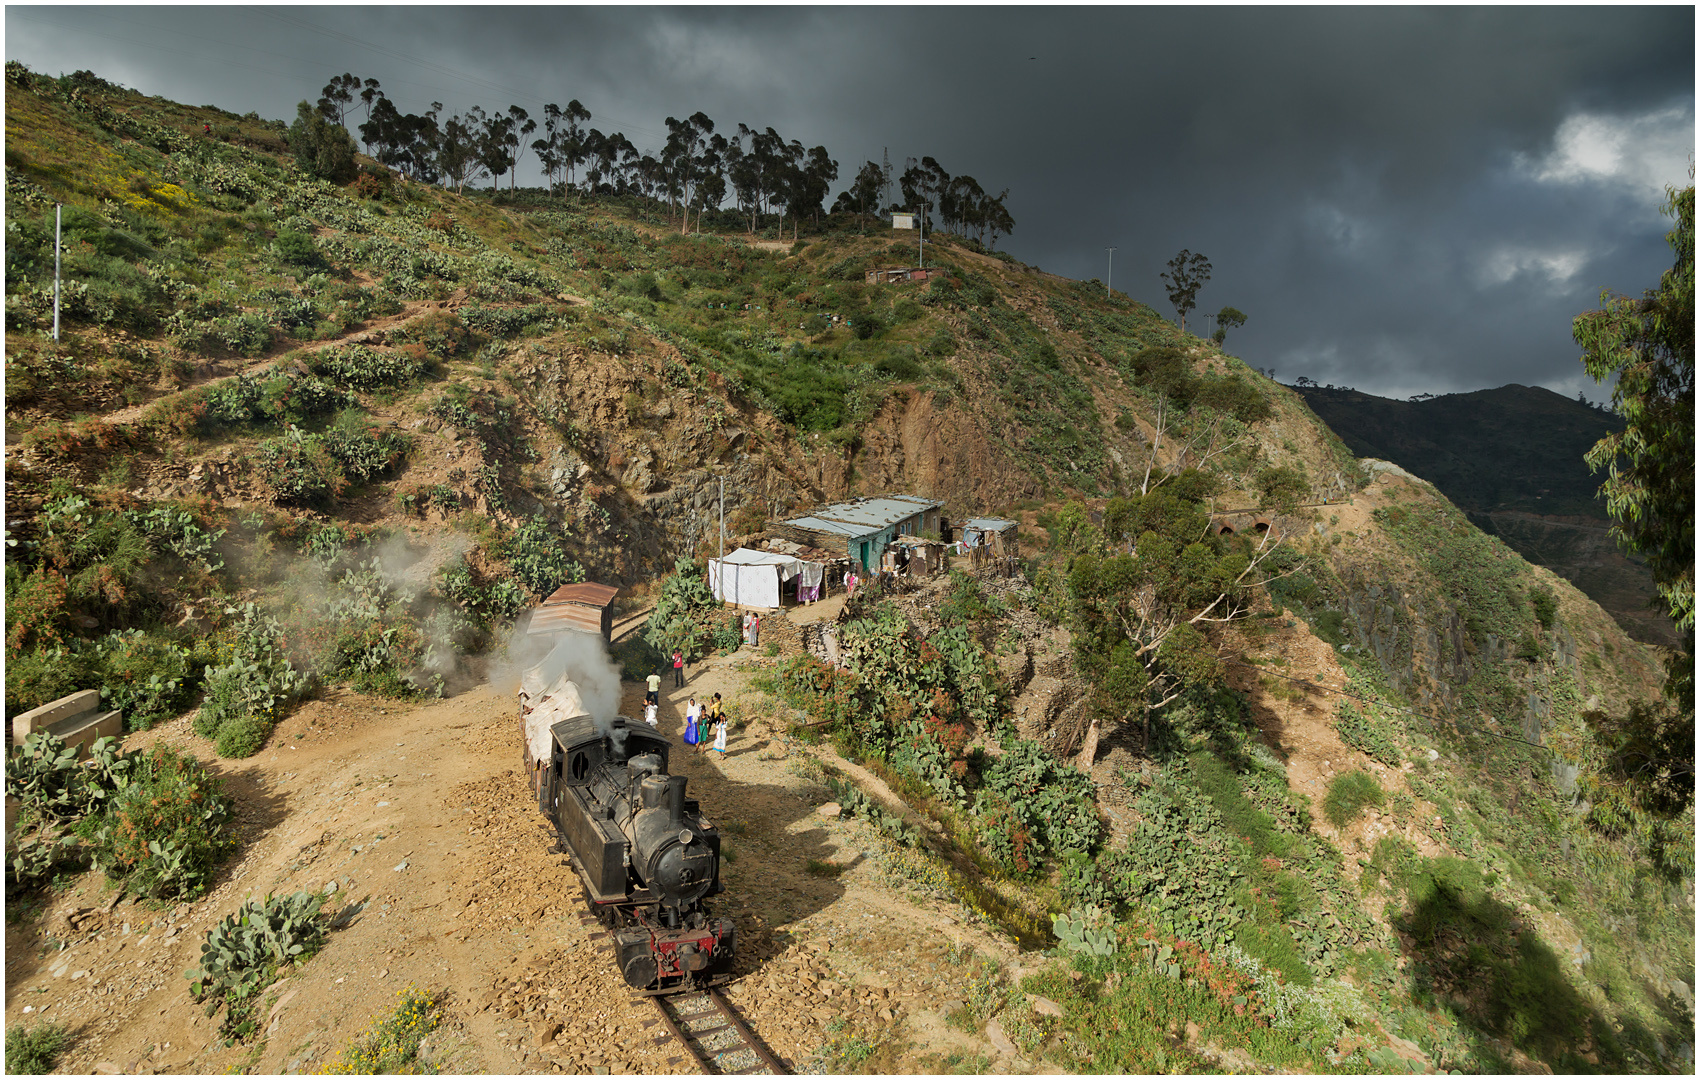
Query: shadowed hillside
point(1511, 458)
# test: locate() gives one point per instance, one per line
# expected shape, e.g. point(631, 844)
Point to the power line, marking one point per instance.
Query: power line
point(131, 41)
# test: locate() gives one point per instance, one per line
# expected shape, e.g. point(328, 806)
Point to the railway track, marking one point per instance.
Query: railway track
point(710, 1031)
point(705, 1026)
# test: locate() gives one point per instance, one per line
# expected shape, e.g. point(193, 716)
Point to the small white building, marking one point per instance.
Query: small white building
point(752, 578)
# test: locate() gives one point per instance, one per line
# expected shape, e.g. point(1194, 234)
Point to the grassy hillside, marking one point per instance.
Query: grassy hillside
point(298, 434)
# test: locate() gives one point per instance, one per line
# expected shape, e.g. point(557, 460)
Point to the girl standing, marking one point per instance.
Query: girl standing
point(693, 733)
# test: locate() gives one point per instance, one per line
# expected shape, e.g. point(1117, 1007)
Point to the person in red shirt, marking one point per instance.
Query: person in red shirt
point(678, 668)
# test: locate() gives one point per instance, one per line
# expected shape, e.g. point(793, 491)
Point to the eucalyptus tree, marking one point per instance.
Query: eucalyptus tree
point(548, 148)
point(863, 194)
point(1187, 274)
point(574, 138)
point(520, 124)
point(687, 140)
point(711, 176)
point(458, 156)
point(337, 96)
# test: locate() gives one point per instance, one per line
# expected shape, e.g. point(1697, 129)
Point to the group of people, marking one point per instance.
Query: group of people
point(700, 718)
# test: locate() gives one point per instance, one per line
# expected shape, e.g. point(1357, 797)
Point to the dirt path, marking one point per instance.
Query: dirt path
point(208, 373)
point(417, 819)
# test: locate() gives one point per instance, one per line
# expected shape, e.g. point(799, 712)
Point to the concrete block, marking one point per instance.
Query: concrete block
point(82, 731)
point(71, 705)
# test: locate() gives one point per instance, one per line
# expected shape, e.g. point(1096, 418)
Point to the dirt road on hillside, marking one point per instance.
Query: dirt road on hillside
point(416, 818)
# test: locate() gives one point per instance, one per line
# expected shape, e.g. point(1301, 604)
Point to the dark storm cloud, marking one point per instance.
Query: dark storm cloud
point(1400, 199)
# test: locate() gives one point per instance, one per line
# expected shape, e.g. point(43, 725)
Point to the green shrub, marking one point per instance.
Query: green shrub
point(163, 833)
point(1545, 603)
point(1330, 626)
point(675, 622)
point(248, 692)
point(1282, 486)
point(42, 675)
point(1367, 731)
point(145, 676)
point(1235, 396)
point(323, 148)
point(539, 559)
point(1049, 803)
point(501, 598)
point(242, 955)
point(358, 365)
point(297, 249)
point(299, 468)
point(48, 780)
point(34, 1050)
point(1164, 369)
point(1348, 795)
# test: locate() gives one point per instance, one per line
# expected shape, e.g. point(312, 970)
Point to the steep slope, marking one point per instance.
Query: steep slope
point(1511, 458)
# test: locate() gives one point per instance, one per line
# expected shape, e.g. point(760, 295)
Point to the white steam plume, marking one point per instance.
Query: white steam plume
point(564, 675)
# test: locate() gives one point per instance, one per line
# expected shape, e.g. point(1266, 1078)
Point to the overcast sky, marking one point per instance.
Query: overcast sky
point(1400, 200)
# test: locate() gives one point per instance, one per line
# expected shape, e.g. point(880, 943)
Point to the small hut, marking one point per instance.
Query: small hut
point(921, 557)
point(998, 536)
point(861, 529)
point(587, 607)
point(991, 544)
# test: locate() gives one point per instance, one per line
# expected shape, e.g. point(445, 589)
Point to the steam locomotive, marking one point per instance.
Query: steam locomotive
point(646, 854)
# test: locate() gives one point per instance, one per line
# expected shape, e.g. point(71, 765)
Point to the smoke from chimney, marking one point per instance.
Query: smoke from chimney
point(573, 670)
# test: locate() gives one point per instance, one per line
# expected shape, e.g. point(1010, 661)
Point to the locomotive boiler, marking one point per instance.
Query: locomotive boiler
point(648, 858)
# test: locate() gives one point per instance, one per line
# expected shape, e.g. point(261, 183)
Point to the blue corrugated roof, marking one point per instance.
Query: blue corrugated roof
point(861, 516)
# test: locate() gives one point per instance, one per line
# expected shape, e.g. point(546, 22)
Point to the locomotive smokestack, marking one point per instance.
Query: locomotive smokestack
point(675, 802)
point(617, 740)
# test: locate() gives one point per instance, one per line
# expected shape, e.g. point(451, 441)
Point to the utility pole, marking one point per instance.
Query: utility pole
point(722, 519)
point(1110, 273)
point(923, 244)
point(57, 209)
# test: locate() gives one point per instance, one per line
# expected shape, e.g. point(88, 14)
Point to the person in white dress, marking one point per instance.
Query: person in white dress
point(720, 735)
point(649, 714)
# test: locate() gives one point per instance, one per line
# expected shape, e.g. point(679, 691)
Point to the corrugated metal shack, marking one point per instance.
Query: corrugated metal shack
point(991, 544)
point(587, 607)
point(995, 534)
point(862, 529)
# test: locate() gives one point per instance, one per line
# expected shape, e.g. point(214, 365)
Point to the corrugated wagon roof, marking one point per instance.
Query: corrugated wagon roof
point(588, 592)
point(819, 525)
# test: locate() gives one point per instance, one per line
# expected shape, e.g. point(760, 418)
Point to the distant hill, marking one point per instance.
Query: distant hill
point(1510, 458)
